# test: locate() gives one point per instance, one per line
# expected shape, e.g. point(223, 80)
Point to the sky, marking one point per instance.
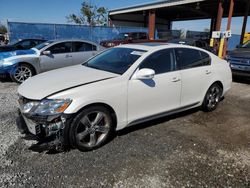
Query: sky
point(55, 11)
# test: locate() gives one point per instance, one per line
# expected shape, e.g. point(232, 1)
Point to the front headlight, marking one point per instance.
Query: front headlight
point(47, 107)
point(8, 63)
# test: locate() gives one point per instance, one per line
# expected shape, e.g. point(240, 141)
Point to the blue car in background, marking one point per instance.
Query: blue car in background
point(239, 60)
point(22, 44)
point(23, 64)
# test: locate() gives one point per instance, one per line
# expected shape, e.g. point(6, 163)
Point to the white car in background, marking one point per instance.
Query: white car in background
point(81, 106)
point(53, 54)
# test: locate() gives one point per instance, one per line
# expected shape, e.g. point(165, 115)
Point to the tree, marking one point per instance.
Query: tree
point(90, 15)
point(3, 29)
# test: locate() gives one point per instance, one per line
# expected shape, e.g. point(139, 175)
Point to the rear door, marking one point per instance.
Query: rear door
point(196, 74)
point(82, 51)
point(61, 56)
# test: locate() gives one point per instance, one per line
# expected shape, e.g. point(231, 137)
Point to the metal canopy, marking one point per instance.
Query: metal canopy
point(178, 10)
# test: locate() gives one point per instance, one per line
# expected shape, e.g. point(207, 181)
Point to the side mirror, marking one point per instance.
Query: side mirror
point(144, 74)
point(46, 52)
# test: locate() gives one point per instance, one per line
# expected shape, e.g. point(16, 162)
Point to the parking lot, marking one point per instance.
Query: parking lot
point(191, 149)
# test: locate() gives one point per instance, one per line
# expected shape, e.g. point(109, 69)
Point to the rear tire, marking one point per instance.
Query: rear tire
point(91, 128)
point(21, 73)
point(212, 98)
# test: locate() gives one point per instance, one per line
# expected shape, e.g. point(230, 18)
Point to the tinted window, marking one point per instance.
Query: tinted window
point(116, 60)
point(42, 45)
point(199, 44)
point(83, 47)
point(134, 36)
point(161, 61)
point(23, 44)
point(205, 58)
point(142, 36)
point(64, 47)
point(190, 58)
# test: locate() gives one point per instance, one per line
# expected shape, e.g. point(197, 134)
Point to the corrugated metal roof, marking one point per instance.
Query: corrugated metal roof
point(151, 5)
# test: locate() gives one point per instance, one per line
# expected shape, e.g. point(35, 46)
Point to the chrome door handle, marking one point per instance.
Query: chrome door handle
point(208, 72)
point(176, 79)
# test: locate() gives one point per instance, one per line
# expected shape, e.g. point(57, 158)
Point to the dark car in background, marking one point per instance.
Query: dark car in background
point(239, 60)
point(23, 44)
point(193, 42)
point(125, 38)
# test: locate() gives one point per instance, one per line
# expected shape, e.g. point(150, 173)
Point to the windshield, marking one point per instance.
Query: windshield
point(42, 45)
point(115, 60)
point(246, 45)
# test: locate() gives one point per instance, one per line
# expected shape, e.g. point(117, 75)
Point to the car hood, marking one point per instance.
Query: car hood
point(240, 53)
point(49, 83)
point(17, 54)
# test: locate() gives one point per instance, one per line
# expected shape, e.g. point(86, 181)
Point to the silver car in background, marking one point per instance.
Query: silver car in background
point(53, 54)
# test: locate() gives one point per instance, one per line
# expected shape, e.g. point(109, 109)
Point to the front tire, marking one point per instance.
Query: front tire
point(91, 128)
point(21, 73)
point(212, 98)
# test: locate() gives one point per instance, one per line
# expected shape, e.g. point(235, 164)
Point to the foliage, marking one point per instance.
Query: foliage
point(90, 15)
point(3, 29)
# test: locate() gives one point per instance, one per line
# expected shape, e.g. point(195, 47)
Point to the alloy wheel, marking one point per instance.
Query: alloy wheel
point(213, 97)
point(92, 129)
point(22, 73)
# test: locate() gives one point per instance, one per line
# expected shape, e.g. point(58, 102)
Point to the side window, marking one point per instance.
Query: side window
point(64, 47)
point(83, 47)
point(24, 44)
point(134, 36)
point(190, 58)
point(198, 44)
point(161, 61)
point(142, 36)
point(205, 58)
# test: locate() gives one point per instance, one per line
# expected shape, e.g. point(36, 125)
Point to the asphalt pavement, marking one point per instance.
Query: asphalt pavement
point(190, 149)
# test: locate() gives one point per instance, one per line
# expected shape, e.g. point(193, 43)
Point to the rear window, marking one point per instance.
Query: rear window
point(83, 47)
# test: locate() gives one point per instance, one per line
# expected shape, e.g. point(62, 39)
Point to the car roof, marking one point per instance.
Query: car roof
point(157, 46)
point(149, 45)
point(72, 40)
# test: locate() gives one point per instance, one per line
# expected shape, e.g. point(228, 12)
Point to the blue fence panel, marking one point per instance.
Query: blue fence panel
point(18, 30)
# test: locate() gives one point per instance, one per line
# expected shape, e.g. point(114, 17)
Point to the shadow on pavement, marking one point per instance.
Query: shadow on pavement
point(242, 80)
point(5, 79)
point(156, 121)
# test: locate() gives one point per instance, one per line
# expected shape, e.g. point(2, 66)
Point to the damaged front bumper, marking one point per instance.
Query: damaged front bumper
point(48, 130)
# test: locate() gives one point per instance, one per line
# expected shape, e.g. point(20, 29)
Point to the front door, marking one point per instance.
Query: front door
point(61, 56)
point(158, 95)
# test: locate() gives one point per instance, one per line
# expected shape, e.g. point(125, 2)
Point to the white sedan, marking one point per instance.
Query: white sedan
point(81, 106)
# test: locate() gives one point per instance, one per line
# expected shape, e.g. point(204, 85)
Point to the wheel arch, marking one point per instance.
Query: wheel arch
point(29, 64)
point(219, 83)
point(111, 109)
